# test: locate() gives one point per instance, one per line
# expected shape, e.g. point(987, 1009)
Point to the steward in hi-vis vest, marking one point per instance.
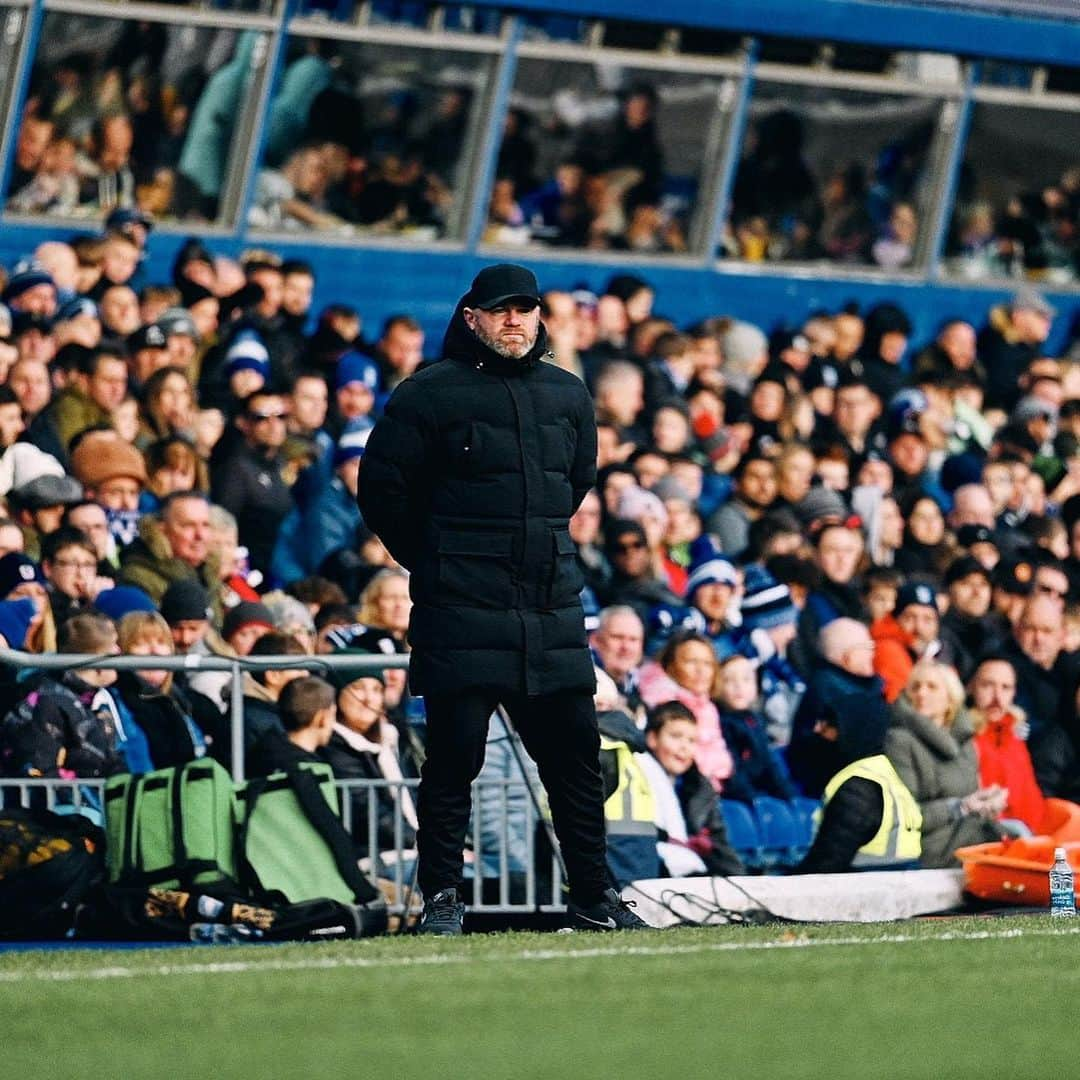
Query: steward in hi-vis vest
point(869, 821)
point(629, 814)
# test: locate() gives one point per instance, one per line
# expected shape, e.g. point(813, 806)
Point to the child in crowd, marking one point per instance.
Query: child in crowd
point(692, 838)
point(757, 769)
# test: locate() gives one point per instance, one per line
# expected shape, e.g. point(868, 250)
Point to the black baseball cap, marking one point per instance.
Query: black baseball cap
point(497, 284)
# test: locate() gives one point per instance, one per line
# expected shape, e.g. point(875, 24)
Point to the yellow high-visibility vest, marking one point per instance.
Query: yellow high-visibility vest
point(899, 837)
point(630, 809)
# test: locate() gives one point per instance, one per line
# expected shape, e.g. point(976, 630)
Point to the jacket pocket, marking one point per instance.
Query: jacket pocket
point(474, 567)
point(567, 579)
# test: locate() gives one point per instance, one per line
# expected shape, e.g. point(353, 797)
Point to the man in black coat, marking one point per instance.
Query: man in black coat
point(470, 479)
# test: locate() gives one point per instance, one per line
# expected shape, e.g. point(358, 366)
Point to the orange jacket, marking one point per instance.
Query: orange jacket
point(893, 659)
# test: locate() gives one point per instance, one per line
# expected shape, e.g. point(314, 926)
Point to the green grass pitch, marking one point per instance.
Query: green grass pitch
point(937, 999)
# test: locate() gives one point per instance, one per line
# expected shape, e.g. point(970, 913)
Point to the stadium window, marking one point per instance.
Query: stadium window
point(606, 156)
point(830, 174)
point(1017, 210)
point(365, 138)
point(123, 113)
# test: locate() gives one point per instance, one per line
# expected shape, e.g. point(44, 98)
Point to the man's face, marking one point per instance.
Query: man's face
point(403, 348)
point(29, 382)
point(509, 329)
point(970, 595)
point(620, 644)
point(1032, 327)
point(91, 520)
point(119, 493)
point(116, 140)
point(993, 689)
point(354, 400)
point(585, 524)
point(273, 288)
point(957, 341)
point(1052, 582)
point(856, 409)
point(38, 300)
point(1040, 632)
point(920, 622)
point(107, 387)
point(119, 260)
point(296, 293)
point(794, 476)
point(909, 454)
point(309, 403)
point(264, 421)
point(120, 310)
point(839, 551)
point(187, 528)
point(188, 633)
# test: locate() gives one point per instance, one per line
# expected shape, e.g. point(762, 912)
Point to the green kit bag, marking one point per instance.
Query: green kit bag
point(173, 828)
point(291, 844)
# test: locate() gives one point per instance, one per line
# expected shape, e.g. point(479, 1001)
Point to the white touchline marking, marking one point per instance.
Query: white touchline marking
point(329, 963)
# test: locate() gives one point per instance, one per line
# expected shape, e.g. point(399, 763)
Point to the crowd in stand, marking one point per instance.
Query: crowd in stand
point(806, 549)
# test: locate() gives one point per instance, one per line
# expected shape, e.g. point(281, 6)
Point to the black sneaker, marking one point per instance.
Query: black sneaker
point(442, 915)
point(611, 913)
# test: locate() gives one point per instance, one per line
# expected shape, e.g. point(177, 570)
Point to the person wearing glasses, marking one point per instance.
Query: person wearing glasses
point(249, 481)
point(470, 479)
point(69, 561)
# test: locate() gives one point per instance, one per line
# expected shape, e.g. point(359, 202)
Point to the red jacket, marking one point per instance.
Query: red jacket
point(1004, 760)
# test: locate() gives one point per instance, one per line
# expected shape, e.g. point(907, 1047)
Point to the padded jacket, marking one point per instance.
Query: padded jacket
point(470, 478)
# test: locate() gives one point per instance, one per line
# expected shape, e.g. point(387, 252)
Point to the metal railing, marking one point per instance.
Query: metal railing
point(236, 666)
point(506, 870)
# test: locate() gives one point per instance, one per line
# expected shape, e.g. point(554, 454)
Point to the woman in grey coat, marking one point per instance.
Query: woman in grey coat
point(930, 746)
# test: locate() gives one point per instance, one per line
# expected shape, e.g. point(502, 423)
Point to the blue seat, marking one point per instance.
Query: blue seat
point(804, 810)
point(778, 830)
point(742, 832)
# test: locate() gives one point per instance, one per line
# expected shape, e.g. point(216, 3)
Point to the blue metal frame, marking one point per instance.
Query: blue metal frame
point(275, 64)
point(869, 22)
point(732, 151)
point(34, 17)
point(492, 137)
point(947, 205)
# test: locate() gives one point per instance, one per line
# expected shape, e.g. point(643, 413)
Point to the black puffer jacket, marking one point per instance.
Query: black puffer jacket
point(470, 479)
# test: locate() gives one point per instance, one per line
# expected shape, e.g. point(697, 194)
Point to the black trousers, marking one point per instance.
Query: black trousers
point(559, 731)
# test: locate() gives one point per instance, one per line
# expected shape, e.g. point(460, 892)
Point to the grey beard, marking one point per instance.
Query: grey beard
point(511, 352)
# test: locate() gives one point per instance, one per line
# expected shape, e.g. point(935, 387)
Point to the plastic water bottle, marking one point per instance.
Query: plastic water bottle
point(1062, 896)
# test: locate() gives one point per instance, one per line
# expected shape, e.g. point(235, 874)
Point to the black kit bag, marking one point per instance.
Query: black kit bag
point(49, 865)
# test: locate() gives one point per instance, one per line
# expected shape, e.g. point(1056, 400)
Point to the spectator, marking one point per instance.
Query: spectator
point(757, 770)
point(329, 523)
point(113, 474)
point(249, 483)
point(364, 746)
point(1013, 338)
point(69, 725)
point(150, 698)
point(1003, 755)
point(308, 714)
point(618, 645)
point(910, 633)
point(69, 562)
point(686, 671)
point(931, 745)
point(755, 492)
point(692, 837)
point(262, 689)
point(173, 545)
